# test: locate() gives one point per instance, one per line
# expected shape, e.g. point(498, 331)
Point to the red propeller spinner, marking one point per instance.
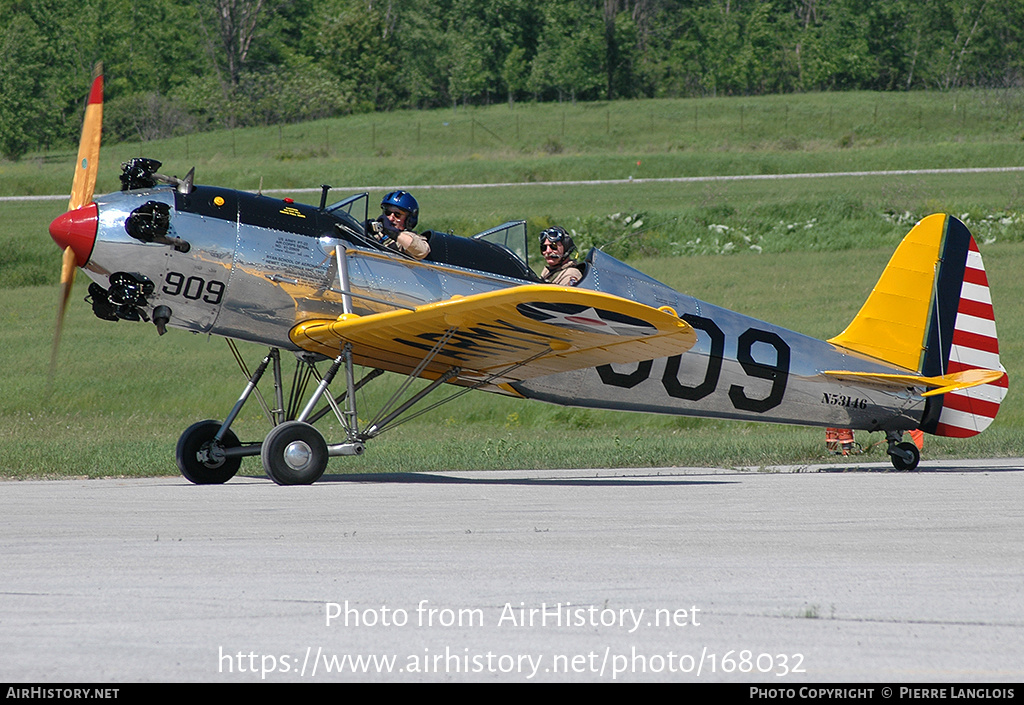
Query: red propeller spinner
point(77, 229)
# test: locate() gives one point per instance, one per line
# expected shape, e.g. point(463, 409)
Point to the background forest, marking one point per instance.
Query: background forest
point(178, 66)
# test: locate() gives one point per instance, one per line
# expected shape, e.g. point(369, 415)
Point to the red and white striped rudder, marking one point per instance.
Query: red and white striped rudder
point(962, 336)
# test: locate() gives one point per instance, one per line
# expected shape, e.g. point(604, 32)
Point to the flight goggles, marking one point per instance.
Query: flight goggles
point(553, 235)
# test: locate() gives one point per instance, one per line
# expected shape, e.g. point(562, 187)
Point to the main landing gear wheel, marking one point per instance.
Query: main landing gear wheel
point(294, 453)
point(905, 456)
point(201, 459)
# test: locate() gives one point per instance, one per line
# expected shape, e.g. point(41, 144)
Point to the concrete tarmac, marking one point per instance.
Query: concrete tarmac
point(782, 576)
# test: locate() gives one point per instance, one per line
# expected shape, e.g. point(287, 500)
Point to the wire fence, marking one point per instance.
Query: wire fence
point(636, 125)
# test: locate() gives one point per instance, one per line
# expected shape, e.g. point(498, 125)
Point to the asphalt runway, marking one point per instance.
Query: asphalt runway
point(786, 577)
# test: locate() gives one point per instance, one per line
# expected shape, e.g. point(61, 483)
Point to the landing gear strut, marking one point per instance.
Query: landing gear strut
point(294, 452)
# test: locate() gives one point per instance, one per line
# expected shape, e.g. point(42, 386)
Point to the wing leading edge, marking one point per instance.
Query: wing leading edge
point(508, 335)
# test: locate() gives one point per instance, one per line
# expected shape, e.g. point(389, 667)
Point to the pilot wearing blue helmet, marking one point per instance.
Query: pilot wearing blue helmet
point(394, 228)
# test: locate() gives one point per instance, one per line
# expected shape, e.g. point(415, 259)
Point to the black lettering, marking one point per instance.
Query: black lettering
point(174, 283)
point(777, 373)
point(462, 357)
point(194, 288)
point(214, 292)
point(670, 379)
point(467, 344)
point(625, 380)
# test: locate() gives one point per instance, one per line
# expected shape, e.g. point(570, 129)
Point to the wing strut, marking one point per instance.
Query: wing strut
point(340, 253)
point(477, 385)
point(378, 420)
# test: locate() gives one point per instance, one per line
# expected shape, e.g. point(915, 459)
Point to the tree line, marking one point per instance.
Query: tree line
point(177, 66)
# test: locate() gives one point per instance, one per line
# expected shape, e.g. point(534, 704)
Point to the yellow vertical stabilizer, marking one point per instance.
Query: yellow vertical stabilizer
point(893, 322)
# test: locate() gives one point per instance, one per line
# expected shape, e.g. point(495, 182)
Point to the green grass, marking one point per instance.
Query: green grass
point(802, 253)
point(552, 142)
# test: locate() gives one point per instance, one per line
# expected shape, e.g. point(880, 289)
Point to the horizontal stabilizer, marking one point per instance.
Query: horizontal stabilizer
point(506, 335)
point(943, 384)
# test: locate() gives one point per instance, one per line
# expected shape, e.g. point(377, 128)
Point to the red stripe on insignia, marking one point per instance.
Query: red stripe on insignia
point(588, 321)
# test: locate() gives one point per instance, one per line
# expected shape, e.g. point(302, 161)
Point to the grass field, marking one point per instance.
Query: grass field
point(802, 253)
point(553, 142)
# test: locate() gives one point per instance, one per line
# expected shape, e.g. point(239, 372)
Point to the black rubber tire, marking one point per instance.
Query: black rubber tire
point(294, 453)
point(197, 437)
point(901, 463)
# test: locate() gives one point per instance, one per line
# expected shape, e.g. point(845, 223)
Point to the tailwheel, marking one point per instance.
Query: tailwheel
point(904, 456)
point(201, 457)
point(294, 453)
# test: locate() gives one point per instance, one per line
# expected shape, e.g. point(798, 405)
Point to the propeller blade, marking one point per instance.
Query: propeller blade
point(89, 147)
point(67, 283)
point(82, 187)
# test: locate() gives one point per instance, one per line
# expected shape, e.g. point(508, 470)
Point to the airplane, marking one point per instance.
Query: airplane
point(922, 353)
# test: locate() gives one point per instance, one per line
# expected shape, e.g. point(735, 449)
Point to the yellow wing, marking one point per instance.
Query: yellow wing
point(511, 334)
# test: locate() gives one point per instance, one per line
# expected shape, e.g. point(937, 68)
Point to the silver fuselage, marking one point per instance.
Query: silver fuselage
point(255, 266)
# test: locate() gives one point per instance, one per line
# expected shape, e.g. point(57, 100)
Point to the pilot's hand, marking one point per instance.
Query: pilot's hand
point(387, 228)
